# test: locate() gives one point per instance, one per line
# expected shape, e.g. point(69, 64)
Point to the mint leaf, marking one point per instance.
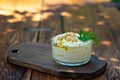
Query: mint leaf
point(85, 36)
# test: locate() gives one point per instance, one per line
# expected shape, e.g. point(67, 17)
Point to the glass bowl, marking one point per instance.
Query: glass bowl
point(71, 56)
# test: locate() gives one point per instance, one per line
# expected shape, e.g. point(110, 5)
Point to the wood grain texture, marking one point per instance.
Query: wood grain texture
point(83, 17)
point(52, 22)
point(104, 20)
point(110, 41)
point(39, 57)
point(10, 34)
point(6, 70)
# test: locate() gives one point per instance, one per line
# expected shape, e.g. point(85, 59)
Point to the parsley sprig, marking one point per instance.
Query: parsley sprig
point(85, 36)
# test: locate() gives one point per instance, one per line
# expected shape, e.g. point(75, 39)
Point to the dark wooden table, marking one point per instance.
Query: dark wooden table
point(101, 18)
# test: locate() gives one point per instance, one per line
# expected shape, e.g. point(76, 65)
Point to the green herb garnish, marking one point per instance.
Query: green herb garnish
point(85, 36)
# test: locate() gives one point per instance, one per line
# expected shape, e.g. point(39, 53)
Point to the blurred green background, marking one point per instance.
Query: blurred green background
point(115, 0)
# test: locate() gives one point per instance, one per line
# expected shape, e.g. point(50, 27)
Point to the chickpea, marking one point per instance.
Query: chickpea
point(67, 34)
point(73, 39)
point(68, 38)
point(72, 34)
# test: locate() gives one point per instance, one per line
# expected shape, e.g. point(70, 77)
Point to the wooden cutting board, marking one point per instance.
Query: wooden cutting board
point(38, 56)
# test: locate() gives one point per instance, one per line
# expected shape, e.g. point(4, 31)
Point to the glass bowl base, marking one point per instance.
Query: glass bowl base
point(72, 64)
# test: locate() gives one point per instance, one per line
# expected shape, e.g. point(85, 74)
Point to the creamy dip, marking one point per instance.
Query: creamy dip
point(67, 48)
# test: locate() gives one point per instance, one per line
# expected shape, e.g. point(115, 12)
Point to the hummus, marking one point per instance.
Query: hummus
point(67, 49)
